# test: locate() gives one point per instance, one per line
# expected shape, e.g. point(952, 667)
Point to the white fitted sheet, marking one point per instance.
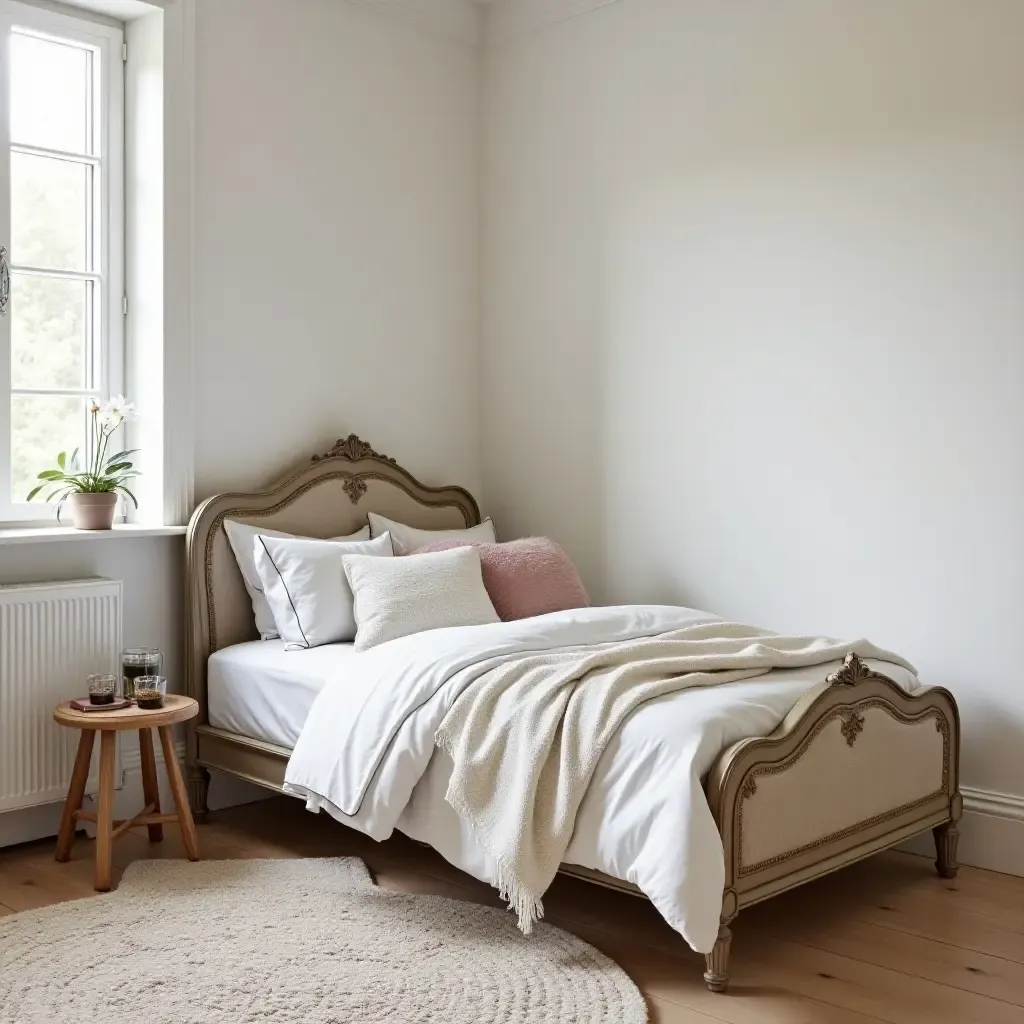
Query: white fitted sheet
point(261, 690)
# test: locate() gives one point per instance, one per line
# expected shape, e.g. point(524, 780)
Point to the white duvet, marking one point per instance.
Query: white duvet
point(366, 754)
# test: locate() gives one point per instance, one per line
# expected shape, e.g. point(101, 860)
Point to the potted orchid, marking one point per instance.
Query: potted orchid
point(92, 492)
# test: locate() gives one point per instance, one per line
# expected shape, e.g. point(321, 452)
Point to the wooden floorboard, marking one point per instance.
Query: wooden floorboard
point(886, 940)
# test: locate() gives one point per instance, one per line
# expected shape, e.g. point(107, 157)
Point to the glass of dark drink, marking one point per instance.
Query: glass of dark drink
point(150, 692)
point(102, 689)
point(136, 662)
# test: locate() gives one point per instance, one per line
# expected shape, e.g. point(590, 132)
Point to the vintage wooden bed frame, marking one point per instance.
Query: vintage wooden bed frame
point(857, 766)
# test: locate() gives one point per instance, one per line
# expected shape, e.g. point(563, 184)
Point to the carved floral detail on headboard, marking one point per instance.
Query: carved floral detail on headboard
point(355, 488)
point(353, 448)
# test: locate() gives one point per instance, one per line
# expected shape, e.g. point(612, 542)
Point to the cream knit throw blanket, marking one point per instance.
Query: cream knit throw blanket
point(525, 737)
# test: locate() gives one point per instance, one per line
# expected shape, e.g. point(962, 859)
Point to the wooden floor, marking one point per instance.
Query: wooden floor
point(885, 940)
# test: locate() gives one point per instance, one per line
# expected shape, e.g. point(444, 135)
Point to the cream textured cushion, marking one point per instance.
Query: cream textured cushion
point(398, 596)
point(306, 588)
point(408, 539)
point(241, 537)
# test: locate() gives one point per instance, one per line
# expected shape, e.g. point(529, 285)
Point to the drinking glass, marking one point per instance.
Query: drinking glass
point(102, 689)
point(150, 692)
point(136, 662)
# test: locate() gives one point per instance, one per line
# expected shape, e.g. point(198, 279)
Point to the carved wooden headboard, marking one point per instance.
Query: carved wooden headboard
point(328, 497)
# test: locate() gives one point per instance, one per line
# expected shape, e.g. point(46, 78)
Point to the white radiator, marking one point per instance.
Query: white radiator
point(52, 635)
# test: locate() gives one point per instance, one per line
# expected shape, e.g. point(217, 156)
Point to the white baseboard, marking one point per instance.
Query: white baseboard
point(998, 805)
point(991, 832)
point(33, 823)
point(30, 823)
point(229, 791)
point(225, 790)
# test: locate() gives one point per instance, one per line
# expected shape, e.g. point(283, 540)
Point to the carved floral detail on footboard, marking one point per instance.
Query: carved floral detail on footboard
point(853, 726)
point(853, 671)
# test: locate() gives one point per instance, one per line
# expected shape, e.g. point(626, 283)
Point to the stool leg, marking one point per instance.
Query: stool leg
point(105, 811)
point(76, 793)
point(150, 786)
point(188, 827)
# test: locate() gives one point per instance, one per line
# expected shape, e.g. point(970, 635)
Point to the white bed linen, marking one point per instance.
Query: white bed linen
point(367, 755)
point(261, 690)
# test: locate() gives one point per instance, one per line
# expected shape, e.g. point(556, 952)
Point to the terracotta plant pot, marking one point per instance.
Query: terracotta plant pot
point(92, 511)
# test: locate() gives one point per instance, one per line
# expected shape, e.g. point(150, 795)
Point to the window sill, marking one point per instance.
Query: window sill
point(52, 534)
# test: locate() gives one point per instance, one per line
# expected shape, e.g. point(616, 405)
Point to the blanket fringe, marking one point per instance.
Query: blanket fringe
point(528, 908)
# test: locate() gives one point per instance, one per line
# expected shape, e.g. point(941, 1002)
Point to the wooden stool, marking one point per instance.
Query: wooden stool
point(107, 723)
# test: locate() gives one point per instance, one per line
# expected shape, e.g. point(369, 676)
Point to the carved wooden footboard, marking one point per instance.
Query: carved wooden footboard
point(858, 765)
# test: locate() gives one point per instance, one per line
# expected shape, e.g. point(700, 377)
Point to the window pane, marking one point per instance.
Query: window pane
point(49, 94)
point(42, 426)
point(49, 212)
point(49, 319)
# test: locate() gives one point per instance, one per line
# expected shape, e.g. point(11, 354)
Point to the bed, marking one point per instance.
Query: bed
point(859, 762)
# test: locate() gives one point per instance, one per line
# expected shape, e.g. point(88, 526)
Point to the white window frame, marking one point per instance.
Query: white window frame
point(107, 42)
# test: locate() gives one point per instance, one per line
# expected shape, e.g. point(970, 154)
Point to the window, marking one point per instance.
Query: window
point(61, 218)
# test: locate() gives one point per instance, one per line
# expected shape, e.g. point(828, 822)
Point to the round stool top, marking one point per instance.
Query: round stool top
point(177, 708)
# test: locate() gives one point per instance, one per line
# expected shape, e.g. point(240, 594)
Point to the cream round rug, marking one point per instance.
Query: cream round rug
point(295, 942)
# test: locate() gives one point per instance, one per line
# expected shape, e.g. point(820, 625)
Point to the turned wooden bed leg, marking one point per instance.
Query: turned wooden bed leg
point(198, 791)
point(716, 975)
point(946, 838)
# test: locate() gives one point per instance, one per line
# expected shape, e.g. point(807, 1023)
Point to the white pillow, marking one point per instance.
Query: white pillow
point(408, 539)
point(398, 596)
point(241, 537)
point(306, 586)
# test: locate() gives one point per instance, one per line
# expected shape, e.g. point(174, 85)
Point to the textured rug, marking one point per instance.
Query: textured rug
point(290, 941)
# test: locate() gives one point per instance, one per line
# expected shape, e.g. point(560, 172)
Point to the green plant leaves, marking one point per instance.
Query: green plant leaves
point(93, 480)
point(122, 455)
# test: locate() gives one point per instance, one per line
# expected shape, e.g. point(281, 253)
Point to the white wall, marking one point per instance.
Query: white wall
point(335, 275)
point(336, 241)
point(754, 323)
point(752, 306)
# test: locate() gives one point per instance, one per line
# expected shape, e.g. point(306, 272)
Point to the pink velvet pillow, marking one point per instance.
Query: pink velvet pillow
point(525, 577)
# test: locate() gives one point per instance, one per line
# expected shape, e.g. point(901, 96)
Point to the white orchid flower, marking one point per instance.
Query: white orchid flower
point(116, 411)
